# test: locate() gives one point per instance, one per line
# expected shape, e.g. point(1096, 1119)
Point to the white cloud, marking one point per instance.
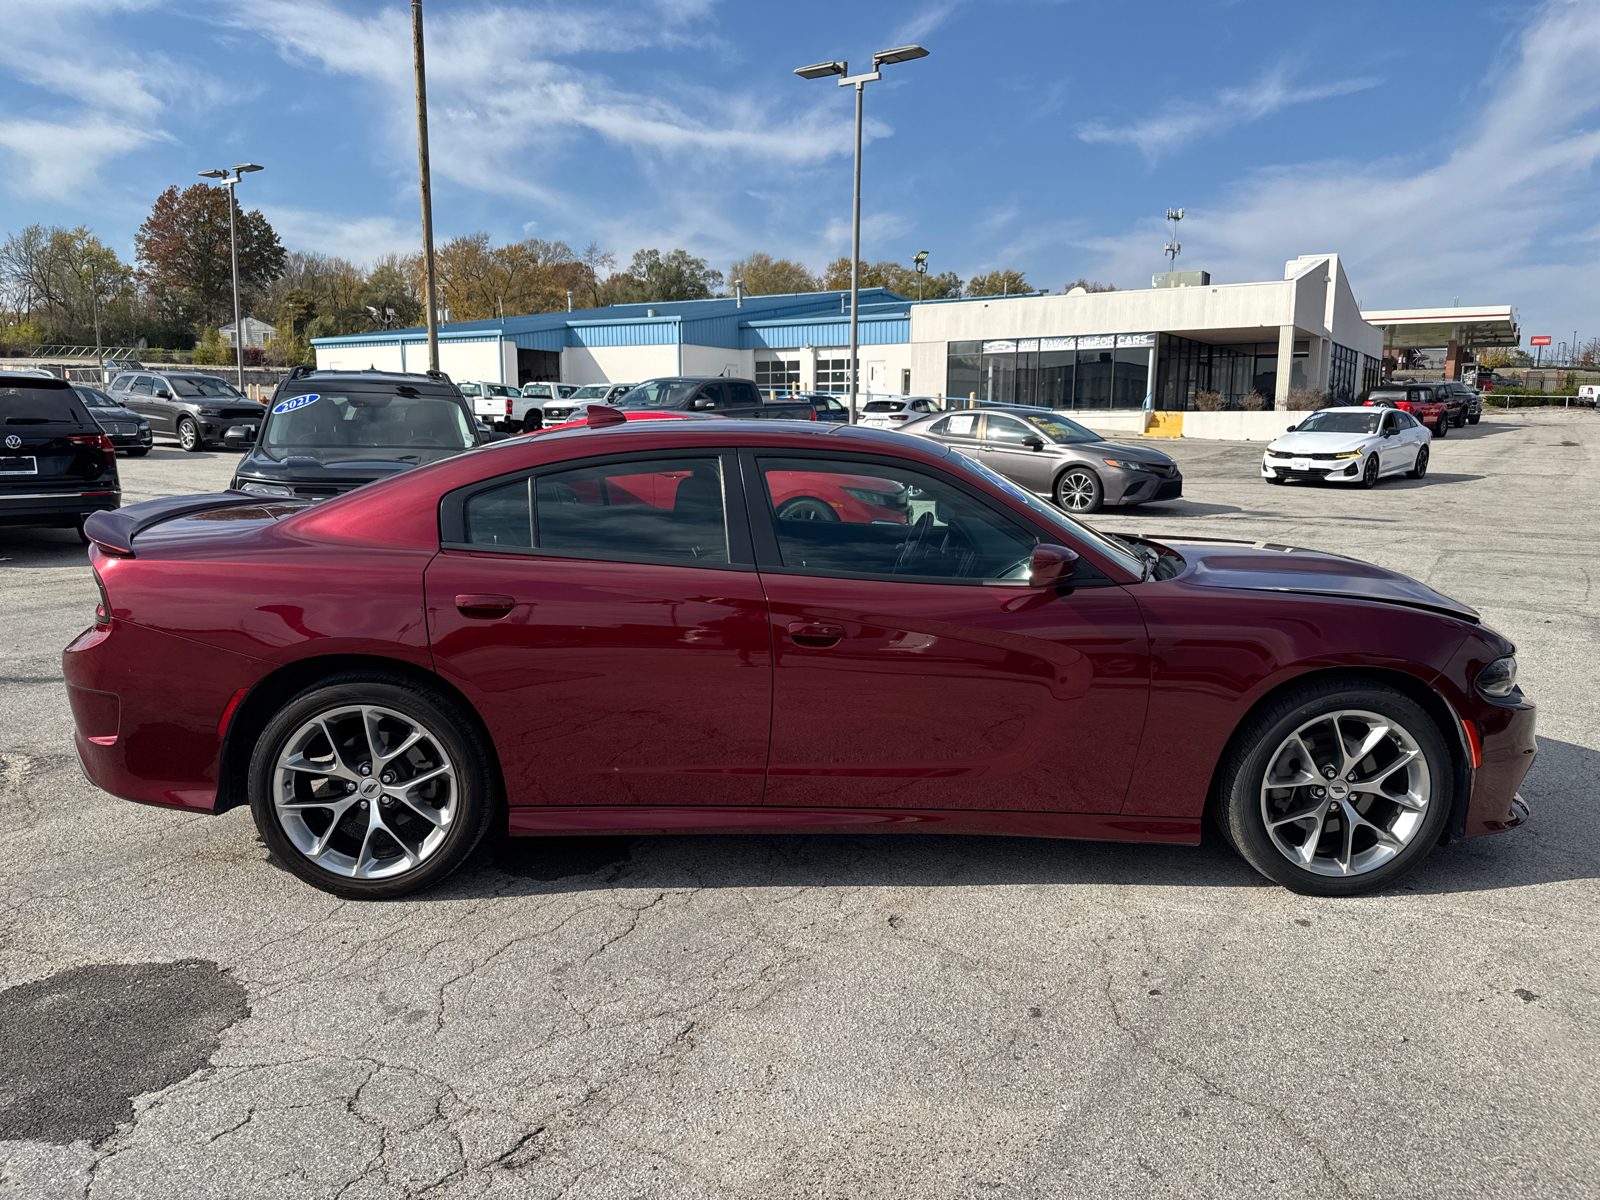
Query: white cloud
point(1185, 121)
point(1476, 225)
point(360, 240)
point(59, 158)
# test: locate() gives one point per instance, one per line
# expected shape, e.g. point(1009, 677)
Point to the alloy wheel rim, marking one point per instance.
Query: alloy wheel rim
point(186, 434)
point(1422, 462)
point(365, 791)
point(1345, 792)
point(1077, 492)
point(1372, 470)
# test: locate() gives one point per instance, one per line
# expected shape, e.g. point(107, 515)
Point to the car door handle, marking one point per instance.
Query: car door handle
point(484, 605)
point(815, 633)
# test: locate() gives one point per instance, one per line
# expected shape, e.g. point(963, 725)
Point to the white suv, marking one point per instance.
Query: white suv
point(561, 408)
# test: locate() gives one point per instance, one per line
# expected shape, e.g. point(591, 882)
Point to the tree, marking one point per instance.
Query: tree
point(596, 262)
point(389, 298)
point(764, 275)
point(677, 275)
point(902, 280)
point(212, 350)
point(67, 283)
point(184, 254)
point(1089, 285)
point(999, 283)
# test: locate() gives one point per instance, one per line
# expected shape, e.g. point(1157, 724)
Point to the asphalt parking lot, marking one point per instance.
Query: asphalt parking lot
point(831, 1017)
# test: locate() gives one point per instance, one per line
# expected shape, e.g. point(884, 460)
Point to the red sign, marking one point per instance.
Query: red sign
point(1539, 341)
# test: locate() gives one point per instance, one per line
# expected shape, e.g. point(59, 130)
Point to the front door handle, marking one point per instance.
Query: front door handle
point(484, 605)
point(815, 633)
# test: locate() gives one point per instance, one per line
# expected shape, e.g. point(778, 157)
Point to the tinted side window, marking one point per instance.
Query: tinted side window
point(841, 517)
point(143, 386)
point(659, 509)
point(742, 394)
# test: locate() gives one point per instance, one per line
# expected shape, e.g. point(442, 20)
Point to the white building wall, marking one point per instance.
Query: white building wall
point(717, 360)
point(359, 358)
point(617, 364)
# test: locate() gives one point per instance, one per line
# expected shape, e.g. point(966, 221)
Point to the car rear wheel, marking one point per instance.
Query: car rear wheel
point(1442, 425)
point(1460, 419)
point(1369, 476)
point(189, 435)
point(1420, 467)
point(1339, 787)
point(1473, 420)
point(1078, 490)
point(371, 787)
point(806, 508)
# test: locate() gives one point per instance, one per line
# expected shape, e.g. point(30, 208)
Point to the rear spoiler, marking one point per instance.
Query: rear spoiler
point(114, 531)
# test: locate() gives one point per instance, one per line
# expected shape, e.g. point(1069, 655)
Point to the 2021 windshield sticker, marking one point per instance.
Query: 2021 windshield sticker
point(295, 402)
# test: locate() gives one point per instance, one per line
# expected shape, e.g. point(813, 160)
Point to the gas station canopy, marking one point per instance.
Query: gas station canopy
point(1476, 328)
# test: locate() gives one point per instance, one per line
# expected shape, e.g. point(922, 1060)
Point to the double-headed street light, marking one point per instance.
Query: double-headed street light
point(822, 71)
point(239, 171)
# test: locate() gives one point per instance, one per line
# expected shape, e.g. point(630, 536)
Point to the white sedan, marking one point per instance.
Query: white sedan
point(1350, 445)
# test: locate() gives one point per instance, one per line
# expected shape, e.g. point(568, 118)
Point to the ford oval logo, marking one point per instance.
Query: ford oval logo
point(295, 402)
point(13, 442)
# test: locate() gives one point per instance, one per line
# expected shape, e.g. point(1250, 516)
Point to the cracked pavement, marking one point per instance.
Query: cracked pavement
point(874, 1016)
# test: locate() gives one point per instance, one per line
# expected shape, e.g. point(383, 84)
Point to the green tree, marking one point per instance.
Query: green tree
point(184, 255)
point(1089, 285)
point(212, 350)
point(999, 283)
point(68, 283)
point(677, 275)
point(902, 279)
point(764, 275)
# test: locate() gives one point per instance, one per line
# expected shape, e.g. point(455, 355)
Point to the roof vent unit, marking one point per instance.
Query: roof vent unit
point(650, 312)
point(1174, 279)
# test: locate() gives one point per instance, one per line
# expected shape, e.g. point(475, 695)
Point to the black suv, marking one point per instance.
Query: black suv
point(192, 407)
point(713, 394)
point(1472, 403)
point(328, 432)
point(56, 465)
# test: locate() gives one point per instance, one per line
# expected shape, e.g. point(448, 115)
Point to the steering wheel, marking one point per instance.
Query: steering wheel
point(915, 540)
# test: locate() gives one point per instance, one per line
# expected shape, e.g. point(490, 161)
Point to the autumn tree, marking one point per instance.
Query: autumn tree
point(67, 285)
point(764, 275)
point(1090, 285)
point(999, 283)
point(184, 254)
point(901, 279)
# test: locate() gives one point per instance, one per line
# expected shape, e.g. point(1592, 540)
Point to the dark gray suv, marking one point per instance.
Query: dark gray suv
point(190, 406)
point(1045, 452)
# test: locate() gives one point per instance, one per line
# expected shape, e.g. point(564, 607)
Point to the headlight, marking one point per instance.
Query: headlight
point(266, 489)
point(210, 412)
point(1125, 464)
point(1351, 454)
point(1499, 678)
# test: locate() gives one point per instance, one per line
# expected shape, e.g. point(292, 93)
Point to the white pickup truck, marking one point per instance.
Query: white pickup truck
point(495, 404)
point(530, 408)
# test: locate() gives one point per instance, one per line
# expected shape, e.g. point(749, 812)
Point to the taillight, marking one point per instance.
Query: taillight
point(899, 416)
point(102, 611)
point(508, 406)
point(98, 440)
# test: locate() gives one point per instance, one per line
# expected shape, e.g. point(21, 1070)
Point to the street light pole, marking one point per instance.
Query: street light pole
point(822, 71)
point(427, 187)
point(239, 171)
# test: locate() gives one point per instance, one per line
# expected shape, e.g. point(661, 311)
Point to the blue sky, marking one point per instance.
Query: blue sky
point(1443, 149)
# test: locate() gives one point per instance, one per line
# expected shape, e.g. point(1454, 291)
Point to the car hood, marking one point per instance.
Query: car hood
point(1270, 567)
point(1121, 450)
point(1319, 443)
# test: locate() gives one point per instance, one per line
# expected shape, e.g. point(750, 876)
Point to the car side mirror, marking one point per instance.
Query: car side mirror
point(163, 394)
point(238, 437)
point(1052, 565)
point(1291, 429)
point(1034, 443)
point(704, 403)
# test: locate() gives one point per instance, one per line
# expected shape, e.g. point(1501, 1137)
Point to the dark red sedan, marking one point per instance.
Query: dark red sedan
point(920, 646)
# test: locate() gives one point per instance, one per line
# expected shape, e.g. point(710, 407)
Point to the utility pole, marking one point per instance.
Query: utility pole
point(427, 190)
point(240, 170)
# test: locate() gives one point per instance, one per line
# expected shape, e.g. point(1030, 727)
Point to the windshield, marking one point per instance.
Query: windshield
point(1058, 429)
point(95, 398)
point(363, 421)
point(591, 391)
point(659, 393)
point(1340, 422)
point(203, 385)
point(1117, 551)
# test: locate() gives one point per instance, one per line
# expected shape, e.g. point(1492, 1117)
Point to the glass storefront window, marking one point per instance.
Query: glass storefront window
point(1244, 376)
point(963, 369)
point(1343, 377)
point(1094, 379)
point(1130, 381)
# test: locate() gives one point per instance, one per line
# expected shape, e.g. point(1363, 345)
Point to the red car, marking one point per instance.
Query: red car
point(937, 651)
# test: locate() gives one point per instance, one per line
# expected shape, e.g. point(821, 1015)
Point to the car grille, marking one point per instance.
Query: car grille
point(241, 412)
point(1286, 473)
point(119, 428)
point(318, 491)
point(1167, 470)
point(559, 413)
point(1169, 491)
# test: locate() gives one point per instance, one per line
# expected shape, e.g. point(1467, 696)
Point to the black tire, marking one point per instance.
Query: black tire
point(1369, 473)
point(189, 436)
point(532, 422)
point(82, 536)
point(137, 452)
point(474, 789)
point(1460, 419)
point(1240, 801)
point(806, 508)
point(1078, 490)
point(1474, 420)
point(1442, 425)
point(1421, 467)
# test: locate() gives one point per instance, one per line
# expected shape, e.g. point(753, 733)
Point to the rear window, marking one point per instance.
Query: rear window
point(884, 406)
point(385, 420)
point(24, 405)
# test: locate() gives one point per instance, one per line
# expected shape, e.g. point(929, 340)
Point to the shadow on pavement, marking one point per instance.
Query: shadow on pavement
point(40, 546)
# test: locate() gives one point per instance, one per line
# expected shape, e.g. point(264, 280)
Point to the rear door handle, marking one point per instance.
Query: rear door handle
point(484, 605)
point(815, 633)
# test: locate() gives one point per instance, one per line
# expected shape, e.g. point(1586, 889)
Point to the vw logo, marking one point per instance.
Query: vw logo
point(13, 442)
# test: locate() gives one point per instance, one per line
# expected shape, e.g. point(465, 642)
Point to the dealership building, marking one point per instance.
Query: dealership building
point(1157, 347)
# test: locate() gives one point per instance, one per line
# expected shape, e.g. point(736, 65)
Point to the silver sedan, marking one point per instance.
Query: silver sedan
point(1046, 453)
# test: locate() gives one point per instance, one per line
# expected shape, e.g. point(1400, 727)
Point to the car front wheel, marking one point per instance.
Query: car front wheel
point(371, 787)
point(1340, 787)
point(1079, 490)
point(189, 435)
point(1369, 476)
